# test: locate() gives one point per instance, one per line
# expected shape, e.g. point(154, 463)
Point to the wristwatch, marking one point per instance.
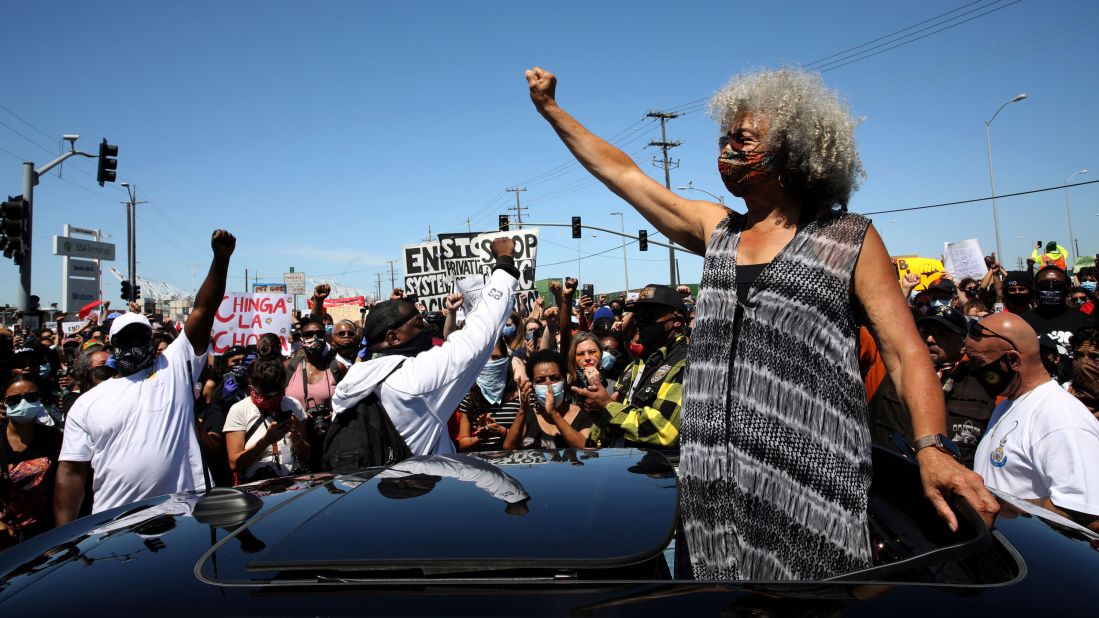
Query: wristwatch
point(940, 442)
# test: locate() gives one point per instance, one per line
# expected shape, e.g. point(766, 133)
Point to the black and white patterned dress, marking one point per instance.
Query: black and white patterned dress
point(775, 464)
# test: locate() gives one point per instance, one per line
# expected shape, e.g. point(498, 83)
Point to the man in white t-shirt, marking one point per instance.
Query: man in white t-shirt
point(137, 431)
point(1042, 444)
point(265, 432)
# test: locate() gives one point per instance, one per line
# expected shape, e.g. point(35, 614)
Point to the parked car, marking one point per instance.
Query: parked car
point(519, 533)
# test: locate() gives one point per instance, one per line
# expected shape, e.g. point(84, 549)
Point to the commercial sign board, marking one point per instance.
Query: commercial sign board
point(80, 248)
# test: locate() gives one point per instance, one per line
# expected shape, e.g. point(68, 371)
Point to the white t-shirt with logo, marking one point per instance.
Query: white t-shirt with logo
point(1044, 444)
point(244, 414)
point(138, 431)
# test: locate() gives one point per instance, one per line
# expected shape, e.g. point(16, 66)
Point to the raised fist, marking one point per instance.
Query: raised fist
point(223, 243)
point(503, 246)
point(321, 292)
point(543, 87)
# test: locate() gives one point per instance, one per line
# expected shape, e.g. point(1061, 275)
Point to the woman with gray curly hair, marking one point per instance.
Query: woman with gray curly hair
point(775, 448)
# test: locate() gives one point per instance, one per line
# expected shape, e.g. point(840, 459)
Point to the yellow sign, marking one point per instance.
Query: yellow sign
point(929, 269)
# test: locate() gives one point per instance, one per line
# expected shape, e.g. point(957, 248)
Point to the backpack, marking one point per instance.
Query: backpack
point(364, 437)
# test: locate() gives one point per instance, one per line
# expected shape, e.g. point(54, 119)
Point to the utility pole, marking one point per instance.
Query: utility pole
point(428, 239)
point(469, 225)
point(392, 274)
point(378, 286)
point(664, 145)
point(519, 208)
point(131, 233)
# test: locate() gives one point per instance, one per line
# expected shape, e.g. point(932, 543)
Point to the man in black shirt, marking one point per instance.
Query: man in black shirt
point(1051, 317)
point(968, 406)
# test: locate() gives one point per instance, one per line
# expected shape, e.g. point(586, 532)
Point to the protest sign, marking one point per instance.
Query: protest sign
point(929, 269)
point(242, 318)
point(344, 308)
point(295, 283)
point(965, 259)
point(424, 275)
point(70, 328)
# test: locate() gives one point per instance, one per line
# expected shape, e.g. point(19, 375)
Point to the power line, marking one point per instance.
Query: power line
point(981, 199)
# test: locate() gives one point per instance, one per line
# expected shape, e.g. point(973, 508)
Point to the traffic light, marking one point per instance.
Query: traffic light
point(503, 223)
point(576, 227)
point(108, 162)
point(137, 293)
point(13, 228)
point(643, 240)
point(126, 290)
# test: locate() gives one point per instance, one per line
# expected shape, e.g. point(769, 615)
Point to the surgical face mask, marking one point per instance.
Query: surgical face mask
point(508, 332)
point(135, 358)
point(529, 336)
point(493, 379)
point(25, 411)
point(1088, 285)
point(540, 391)
point(328, 329)
point(607, 361)
point(743, 171)
point(993, 377)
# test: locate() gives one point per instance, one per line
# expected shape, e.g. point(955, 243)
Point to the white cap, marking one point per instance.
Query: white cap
point(127, 319)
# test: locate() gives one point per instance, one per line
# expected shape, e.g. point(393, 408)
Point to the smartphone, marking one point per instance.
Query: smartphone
point(581, 379)
point(281, 415)
point(588, 290)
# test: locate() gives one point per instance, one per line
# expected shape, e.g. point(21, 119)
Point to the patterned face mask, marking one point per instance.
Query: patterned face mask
point(743, 171)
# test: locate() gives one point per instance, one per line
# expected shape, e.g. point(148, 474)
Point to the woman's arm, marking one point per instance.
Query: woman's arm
point(466, 439)
point(687, 222)
point(453, 303)
point(240, 458)
point(909, 365)
point(573, 438)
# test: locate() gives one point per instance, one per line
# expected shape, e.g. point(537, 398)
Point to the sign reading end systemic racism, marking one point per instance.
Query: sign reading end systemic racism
point(431, 268)
point(242, 318)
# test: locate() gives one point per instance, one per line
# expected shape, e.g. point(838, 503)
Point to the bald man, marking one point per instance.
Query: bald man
point(1041, 444)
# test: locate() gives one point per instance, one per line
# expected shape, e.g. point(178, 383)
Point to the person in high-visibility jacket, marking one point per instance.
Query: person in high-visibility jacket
point(1055, 255)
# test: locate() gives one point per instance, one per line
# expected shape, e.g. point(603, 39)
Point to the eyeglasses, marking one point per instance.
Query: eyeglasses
point(1078, 301)
point(313, 334)
point(977, 331)
point(971, 290)
point(13, 400)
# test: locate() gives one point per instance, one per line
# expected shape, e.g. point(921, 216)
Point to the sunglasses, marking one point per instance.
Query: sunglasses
point(978, 331)
point(344, 333)
point(1078, 301)
point(313, 334)
point(13, 400)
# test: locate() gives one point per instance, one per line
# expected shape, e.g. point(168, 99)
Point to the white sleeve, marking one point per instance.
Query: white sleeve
point(76, 444)
point(180, 352)
point(236, 419)
point(1068, 462)
point(431, 374)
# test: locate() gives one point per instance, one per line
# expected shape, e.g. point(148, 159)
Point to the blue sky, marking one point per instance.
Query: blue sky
point(325, 135)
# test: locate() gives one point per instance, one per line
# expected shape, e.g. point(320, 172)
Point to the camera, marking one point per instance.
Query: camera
point(319, 418)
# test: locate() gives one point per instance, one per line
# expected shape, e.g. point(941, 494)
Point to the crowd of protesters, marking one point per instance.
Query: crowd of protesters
point(797, 350)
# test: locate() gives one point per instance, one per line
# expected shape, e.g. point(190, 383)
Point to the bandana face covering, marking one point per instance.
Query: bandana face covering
point(134, 359)
point(493, 379)
point(266, 404)
point(743, 171)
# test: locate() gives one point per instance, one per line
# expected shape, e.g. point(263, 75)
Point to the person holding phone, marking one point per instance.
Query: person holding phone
point(265, 433)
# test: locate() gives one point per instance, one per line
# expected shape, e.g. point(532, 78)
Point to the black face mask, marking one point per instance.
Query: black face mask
point(412, 347)
point(133, 359)
point(993, 378)
point(348, 351)
point(1052, 296)
point(652, 336)
point(1017, 299)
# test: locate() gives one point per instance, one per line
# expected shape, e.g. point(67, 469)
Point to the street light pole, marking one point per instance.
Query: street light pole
point(690, 187)
point(991, 176)
point(1068, 213)
point(625, 267)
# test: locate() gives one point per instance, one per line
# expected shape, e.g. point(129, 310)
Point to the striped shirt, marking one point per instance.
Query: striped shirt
point(503, 413)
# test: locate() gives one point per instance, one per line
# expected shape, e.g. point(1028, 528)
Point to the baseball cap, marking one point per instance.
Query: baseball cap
point(946, 316)
point(127, 319)
point(660, 295)
point(1051, 246)
point(603, 312)
point(1019, 277)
